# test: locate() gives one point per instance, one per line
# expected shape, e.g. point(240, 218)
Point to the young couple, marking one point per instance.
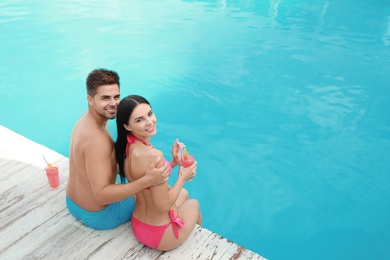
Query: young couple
point(162, 217)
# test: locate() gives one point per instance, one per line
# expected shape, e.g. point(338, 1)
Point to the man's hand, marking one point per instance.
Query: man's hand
point(157, 175)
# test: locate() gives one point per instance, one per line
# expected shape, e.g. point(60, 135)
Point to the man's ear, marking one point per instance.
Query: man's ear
point(89, 98)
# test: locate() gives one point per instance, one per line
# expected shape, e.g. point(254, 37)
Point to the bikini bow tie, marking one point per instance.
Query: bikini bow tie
point(175, 222)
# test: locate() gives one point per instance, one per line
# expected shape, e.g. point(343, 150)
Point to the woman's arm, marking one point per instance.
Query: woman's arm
point(156, 173)
point(164, 196)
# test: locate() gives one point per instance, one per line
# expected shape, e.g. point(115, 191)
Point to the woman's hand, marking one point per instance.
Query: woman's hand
point(188, 173)
point(176, 153)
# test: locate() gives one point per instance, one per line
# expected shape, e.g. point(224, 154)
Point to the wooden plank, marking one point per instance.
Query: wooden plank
point(190, 248)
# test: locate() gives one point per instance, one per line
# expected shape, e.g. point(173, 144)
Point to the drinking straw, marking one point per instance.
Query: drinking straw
point(181, 144)
point(48, 164)
point(184, 149)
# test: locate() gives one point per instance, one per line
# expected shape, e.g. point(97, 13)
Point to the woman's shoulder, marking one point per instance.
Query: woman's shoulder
point(145, 151)
point(140, 159)
point(146, 155)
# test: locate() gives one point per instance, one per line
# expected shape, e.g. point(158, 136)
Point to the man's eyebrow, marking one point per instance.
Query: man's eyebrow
point(107, 96)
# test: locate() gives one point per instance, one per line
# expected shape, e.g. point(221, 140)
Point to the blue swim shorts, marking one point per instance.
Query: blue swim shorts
point(112, 216)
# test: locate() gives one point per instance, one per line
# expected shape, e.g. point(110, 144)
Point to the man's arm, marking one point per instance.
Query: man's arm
point(99, 167)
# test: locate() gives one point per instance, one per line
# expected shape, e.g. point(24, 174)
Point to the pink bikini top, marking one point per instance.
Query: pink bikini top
point(131, 139)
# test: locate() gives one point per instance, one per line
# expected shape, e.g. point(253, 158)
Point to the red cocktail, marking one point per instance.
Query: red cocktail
point(53, 176)
point(187, 160)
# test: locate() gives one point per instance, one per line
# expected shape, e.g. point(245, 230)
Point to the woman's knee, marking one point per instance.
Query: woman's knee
point(184, 193)
point(191, 206)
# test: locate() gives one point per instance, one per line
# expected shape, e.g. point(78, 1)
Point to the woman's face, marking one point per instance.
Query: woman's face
point(142, 121)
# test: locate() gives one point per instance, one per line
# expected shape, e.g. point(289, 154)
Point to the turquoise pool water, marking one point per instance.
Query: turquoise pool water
point(284, 103)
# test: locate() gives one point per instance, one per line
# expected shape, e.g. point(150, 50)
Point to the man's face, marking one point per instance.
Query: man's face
point(106, 100)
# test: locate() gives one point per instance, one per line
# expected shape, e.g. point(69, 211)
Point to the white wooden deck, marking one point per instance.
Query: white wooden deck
point(35, 223)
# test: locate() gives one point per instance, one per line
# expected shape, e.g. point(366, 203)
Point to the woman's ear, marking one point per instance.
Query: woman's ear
point(127, 127)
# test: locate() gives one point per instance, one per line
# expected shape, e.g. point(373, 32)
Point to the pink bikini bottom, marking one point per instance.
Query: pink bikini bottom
point(151, 235)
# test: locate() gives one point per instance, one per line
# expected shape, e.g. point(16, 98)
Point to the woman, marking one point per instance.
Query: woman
point(163, 216)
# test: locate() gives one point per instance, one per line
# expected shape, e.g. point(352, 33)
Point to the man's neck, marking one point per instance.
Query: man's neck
point(99, 119)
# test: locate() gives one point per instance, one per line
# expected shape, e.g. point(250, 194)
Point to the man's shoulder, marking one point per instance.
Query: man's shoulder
point(96, 136)
point(86, 132)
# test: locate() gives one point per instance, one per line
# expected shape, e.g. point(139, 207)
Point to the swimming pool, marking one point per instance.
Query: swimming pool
point(284, 104)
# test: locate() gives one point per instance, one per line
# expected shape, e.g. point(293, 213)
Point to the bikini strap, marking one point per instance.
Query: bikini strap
point(129, 142)
point(169, 166)
point(131, 139)
point(175, 222)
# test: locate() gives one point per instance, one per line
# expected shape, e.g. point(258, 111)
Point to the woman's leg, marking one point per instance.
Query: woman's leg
point(183, 197)
point(189, 212)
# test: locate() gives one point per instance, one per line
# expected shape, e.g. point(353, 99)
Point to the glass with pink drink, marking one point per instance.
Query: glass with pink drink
point(53, 176)
point(187, 160)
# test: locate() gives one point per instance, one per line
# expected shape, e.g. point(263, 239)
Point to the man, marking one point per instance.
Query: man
point(92, 196)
